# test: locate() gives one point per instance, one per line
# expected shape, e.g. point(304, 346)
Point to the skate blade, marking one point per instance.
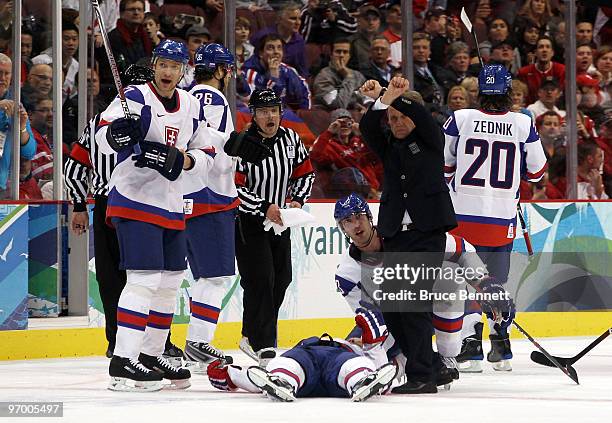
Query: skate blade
point(246, 348)
point(447, 386)
point(470, 366)
point(502, 366)
point(259, 377)
point(121, 384)
point(196, 367)
point(384, 376)
point(177, 384)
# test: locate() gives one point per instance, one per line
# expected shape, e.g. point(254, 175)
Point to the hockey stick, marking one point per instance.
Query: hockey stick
point(539, 358)
point(468, 25)
point(567, 369)
point(525, 231)
point(113, 65)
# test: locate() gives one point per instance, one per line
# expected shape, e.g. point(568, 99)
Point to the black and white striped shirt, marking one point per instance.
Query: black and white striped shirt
point(87, 169)
point(287, 174)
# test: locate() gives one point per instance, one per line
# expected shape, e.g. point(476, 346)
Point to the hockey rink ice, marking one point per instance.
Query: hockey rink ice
point(530, 393)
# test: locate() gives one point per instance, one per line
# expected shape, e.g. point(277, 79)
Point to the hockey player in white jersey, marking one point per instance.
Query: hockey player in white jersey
point(211, 201)
point(487, 152)
point(145, 205)
point(354, 218)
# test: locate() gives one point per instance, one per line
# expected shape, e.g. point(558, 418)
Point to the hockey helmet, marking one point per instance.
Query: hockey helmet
point(264, 98)
point(494, 80)
point(212, 55)
point(172, 50)
point(138, 74)
point(350, 205)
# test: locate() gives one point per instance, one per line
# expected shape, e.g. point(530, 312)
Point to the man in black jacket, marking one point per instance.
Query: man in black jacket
point(415, 211)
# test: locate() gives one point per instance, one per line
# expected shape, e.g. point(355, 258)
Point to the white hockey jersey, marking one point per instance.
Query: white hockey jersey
point(144, 194)
point(217, 190)
point(486, 155)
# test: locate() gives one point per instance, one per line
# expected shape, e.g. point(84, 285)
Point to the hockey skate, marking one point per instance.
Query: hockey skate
point(129, 375)
point(374, 383)
point(501, 353)
point(173, 354)
point(470, 358)
point(198, 355)
point(265, 355)
point(179, 378)
point(447, 372)
point(245, 347)
point(272, 386)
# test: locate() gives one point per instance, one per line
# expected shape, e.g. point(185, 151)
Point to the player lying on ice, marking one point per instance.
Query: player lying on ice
point(319, 367)
point(355, 220)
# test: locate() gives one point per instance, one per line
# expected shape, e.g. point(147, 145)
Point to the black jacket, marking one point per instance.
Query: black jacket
point(413, 171)
point(370, 71)
point(425, 86)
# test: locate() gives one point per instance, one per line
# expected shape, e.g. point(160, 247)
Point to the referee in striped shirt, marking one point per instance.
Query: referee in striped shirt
point(264, 259)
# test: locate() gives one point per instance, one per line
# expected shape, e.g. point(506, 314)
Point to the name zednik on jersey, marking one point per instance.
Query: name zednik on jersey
point(484, 167)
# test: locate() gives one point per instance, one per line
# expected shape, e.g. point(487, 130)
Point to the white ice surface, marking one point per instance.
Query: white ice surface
point(530, 393)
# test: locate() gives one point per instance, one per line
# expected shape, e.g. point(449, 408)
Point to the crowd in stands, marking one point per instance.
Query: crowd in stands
point(316, 54)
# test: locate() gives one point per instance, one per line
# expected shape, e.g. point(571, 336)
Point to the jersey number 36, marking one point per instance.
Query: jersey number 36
point(506, 180)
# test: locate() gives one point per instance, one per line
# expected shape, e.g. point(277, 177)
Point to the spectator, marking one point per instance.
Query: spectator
point(213, 15)
point(336, 86)
point(528, 40)
point(590, 97)
point(458, 60)
point(26, 52)
point(378, 67)
point(603, 64)
point(41, 119)
point(482, 17)
point(244, 49)
point(584, 32)
point(393, 19)
point(534, 74)
point(267, 70)
point(129, 39)
point(340, 146)
point(519, 94)
point(584, 60)
point(548, 125)
point(152, 28)
point(548, 95)
point(435, 25)
point(558, 36)
point(458, 98)
point(429, 79)
point(590, 182)
point(537, 11)
point(322, 21)
point(70, 66)
point(287, 27)
point(196, 36)
point(28, 144)
point(604, 140)
point(499, 31)
point(38, 84)
point(28, 187)
point(471, 85)
point(586, 128)
point(503, 52)
point(368, 23)
point(252, 5)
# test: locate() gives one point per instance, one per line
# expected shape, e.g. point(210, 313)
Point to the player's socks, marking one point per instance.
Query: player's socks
point(130, 375)
point(199, 354)
point(179, 378)
point(274, 386)
point(501, 353)
point(373, 383)
point(471, 355)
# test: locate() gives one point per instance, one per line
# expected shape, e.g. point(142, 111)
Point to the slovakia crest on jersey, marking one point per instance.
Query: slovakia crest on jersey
point(171, 135)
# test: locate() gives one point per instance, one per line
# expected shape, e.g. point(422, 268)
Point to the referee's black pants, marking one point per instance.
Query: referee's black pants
point(111, 280)
point(264, 264)
point(413, 329)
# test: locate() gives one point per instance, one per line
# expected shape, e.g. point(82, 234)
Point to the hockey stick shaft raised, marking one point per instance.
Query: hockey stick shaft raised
point(539, 358)
point(525, 230)
point(468, 25)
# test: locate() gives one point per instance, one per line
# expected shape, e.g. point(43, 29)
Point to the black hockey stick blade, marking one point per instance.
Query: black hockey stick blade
point(568, 370)
point(538, 357)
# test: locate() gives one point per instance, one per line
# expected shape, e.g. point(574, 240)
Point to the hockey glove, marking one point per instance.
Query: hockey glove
point(498, 306)
point(166, 159)
point(219, 376)
point(123, 133)
point(247, 146)
point(372, 324)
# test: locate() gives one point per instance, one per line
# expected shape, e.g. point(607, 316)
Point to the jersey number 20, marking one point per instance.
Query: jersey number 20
point(483, 152)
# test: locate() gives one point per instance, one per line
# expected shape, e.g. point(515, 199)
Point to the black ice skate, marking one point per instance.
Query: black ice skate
point(273, 386)
point(179, 378)
point(416, 387)
point(447, 372)
point(471, 355)
point(198, 355)
point(501, 353)
point(374, 383)
point(173, 354)
point(130, 375)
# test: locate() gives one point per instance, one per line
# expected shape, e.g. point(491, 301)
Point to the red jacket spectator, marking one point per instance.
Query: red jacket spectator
point(42, 162)
point(534, 74)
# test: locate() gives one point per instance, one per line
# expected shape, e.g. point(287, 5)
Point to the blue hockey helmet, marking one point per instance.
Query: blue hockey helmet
point(212, 55)
point(172, 50)
point(494, 80)
point(350, 205)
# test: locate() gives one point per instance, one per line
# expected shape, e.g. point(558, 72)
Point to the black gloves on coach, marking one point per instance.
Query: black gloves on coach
point(247, 146)
point(166, 159)
point(124, 132)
